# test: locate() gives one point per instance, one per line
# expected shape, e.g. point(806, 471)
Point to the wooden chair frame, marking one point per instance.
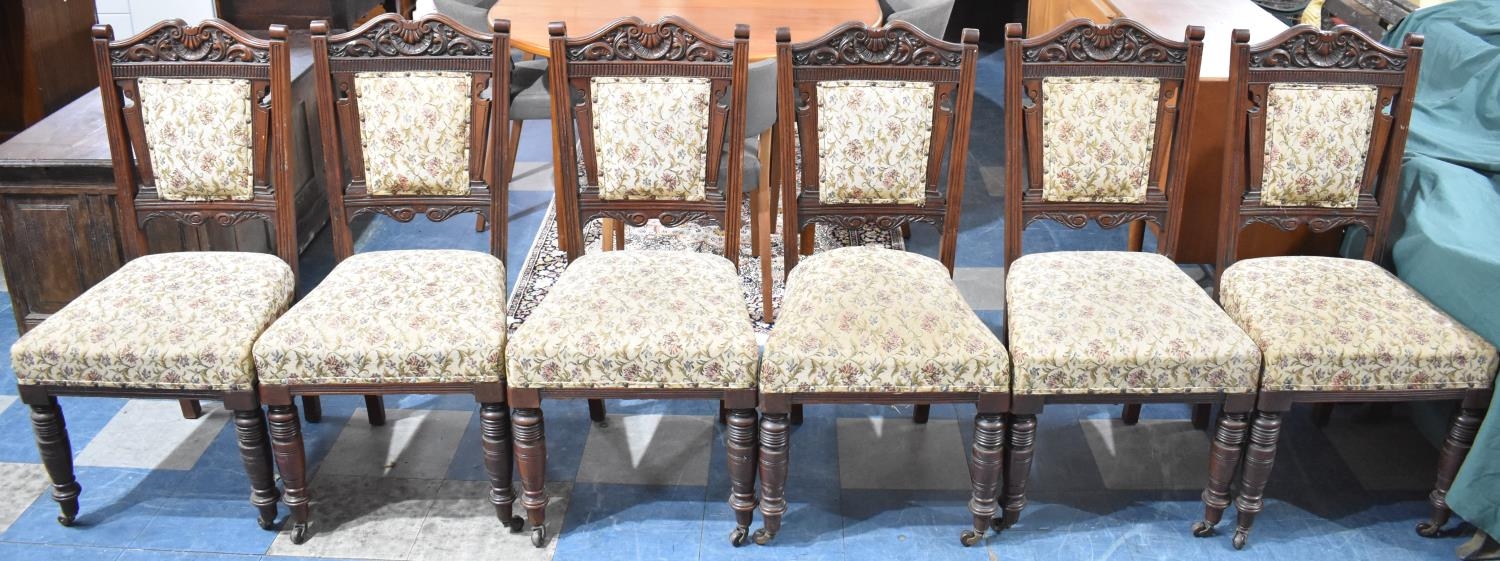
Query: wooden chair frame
point(1343, 55)
point(854, 51)
point(174, 49)
point(391, 43)
point(671, 46)
point(1121, 48)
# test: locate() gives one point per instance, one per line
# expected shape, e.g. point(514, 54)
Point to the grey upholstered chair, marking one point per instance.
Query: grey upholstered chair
point(931, 16)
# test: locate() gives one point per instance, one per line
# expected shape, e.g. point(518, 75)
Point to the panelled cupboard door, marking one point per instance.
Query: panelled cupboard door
point(54, 248)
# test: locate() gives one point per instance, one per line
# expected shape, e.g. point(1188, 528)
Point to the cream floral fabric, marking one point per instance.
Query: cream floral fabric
point(412, 316)
point(171, 321)
point(414, 129)
point(1120, 322)
point(1097, 138)
point(198, 133)
point(651, 137)
point(1317, 137)
point(1326, 323)
point(874, 138)
point(638, 319)
point(871, 319)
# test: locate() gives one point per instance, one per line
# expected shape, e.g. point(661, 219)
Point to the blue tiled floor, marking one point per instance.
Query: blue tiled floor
point(1320, 504)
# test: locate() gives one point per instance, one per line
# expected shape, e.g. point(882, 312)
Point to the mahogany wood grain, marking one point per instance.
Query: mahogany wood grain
point(529, 18)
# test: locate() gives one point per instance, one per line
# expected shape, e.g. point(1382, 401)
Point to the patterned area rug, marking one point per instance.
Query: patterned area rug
point(545, 263)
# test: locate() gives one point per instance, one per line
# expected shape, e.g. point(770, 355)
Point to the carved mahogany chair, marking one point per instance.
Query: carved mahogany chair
point(880, 112)
point(406, 118)
point(1096, 128)
point(642, 111)
point(1318, 131)
point(198, 119)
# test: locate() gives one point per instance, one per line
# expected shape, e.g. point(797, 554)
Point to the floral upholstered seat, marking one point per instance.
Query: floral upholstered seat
point(638, 319)
point(416, 316)
point(871, 319)
point(1086, 322)
point(1331, 324)
point(171, 321)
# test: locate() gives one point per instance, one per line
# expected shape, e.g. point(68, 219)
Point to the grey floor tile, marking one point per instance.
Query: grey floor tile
point(649, 450)
point(993, 179)
point(983, 287)
point(462, 527)
point(532, 176)
point(362, 517)
point(151, 434)
point(413, 443)
point(895, 453)
point(20, 485)
point(1153, 454)
point(5, 401)
point(1389, 455)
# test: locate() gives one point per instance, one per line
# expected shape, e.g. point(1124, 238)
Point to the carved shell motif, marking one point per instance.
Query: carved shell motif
point(876, 46)
point(650, 42)
point(189, 43)
point(1106, 43)
point(1336, 49)
point(411, 38)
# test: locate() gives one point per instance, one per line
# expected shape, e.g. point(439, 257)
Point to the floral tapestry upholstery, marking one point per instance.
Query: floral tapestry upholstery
point(414, 131)
point(651, 137)
point(198, 134)
point(1085, 322)
point(638, 319)
point(1317, 137)
point(171, 321)
point(872, 319)
point(408, 317)
point(1098, 135)
point(874, 138)
point(1332, 324)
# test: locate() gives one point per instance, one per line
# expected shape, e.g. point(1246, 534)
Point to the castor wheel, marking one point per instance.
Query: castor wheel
point(538, 536)
point(970, 537)
point(737, 537)
point(299, 533)
point(1427, 529)
point(1240, 535)
point(762, 537)
point(1202, 529)
point(515, 524)
point(65, 520)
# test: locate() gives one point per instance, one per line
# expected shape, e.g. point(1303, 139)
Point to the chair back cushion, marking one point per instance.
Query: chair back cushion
point(414, 132)
point(874, 137)
point(1097, 138)
point(651, 136)
point(1317, 138)
point(198, 133)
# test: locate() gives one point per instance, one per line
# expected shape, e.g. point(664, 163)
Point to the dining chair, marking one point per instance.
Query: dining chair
point(1316, 141)
point(198, 120)
point(404, 321)
point(879, 113)
point(645, 113)
point(1096, 127)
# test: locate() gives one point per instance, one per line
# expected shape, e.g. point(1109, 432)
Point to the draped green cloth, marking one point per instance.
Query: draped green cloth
point(1447, 242)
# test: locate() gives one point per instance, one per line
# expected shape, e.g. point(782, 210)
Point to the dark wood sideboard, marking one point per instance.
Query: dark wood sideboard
point(45, 54)
point(58, 223)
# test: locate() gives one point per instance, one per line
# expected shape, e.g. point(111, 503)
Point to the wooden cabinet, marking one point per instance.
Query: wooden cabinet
point(1043, 15)
point(45, 59)
point(58, 222)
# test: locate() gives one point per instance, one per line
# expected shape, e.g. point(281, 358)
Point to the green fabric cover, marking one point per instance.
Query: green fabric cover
point(1447, 242)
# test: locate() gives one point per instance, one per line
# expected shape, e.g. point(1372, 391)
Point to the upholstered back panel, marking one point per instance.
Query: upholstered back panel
point(874, 138)
point(198, 133)
point(1097, 138)
point(1317, 139)
point(414, 132)
point(650, 137)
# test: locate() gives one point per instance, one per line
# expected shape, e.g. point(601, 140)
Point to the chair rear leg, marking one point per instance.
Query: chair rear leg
point(375, 410)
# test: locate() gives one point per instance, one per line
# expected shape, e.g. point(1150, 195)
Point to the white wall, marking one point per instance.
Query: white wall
point(129, 16)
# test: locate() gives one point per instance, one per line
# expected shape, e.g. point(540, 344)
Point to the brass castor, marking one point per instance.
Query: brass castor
point(1203, 529)
point(515, 524)
point(738, 536)
point(1427, 529)
point(762, 537)
point(538, 536)
point(970, 537)
point(1240, 535)
point(65, 520)
point(299, 533)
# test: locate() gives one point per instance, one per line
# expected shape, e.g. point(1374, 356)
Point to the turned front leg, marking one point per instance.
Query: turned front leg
point(255, 453)
point(291, 461)
point(740, 443)
point(1018, 467)
point(57, 456)
point(1455, 448)
point(1224, 458)
point(985, 465)
point(774, 451)
point(494, 436)
point(1258, 462)
point(531, 458)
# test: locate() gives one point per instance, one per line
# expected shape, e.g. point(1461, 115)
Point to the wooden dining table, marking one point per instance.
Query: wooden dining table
point(807, 20)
